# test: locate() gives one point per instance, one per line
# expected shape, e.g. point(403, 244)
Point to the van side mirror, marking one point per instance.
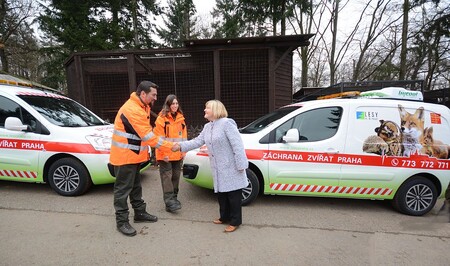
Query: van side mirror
point(292, 135)
point(14, 123)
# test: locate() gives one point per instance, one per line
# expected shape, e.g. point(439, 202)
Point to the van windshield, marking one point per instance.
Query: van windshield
point(63, 112)
point(267, 119)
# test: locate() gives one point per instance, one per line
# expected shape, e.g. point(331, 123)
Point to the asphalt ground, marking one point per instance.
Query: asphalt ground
point(39, 227)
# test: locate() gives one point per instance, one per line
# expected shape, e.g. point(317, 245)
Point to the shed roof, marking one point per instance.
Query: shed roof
point(291, 42)
point(286, 40)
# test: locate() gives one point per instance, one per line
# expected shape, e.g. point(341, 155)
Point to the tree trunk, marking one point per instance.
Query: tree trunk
point(283, 18)
point(433, 59)
point(304, 57)
point(402, 74)
point(333, 42)
point(186, 33)
point(4, 58)
point(274, 20)
point(115, 8)
point(134, 15)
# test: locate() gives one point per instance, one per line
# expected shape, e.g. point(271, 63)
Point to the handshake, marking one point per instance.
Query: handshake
point(176, 147)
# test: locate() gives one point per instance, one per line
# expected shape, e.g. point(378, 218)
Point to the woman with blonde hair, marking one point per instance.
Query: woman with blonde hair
point(228, 161)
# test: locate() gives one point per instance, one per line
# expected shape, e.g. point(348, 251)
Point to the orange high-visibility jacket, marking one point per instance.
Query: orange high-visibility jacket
point(133, 134)
point(173, 130)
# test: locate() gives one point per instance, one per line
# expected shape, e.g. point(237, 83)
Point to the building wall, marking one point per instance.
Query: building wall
point(251, 76)
point(244, 85)
point(283, 79)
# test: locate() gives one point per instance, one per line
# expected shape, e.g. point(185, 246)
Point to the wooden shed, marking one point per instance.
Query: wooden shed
point(251, 76)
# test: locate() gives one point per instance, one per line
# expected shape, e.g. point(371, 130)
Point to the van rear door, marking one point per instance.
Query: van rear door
point(371, 174)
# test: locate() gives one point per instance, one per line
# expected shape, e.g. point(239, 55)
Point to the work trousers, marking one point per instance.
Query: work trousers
point(230, 206)
point(169, 173)
point(127, 184)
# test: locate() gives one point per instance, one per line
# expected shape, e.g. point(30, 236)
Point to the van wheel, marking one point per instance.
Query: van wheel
point(415, 197)
point(250, 193)
point(69, 177)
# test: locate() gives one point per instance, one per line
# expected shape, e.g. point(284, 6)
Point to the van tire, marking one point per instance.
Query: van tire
point(250, 192)
point(69, 177)
point(415, 197)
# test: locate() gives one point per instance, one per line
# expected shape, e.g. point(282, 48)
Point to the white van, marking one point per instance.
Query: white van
point(46, 137)
point(364, 147)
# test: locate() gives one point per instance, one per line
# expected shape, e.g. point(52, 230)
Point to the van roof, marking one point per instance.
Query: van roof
point(19, 89)
point(396, 93)
point(6, 79)
point(373, 102)
point(386, 95)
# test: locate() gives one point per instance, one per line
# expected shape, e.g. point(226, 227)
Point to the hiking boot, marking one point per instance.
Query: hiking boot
point(144, 217)
point(173, 206)
point(126, 229)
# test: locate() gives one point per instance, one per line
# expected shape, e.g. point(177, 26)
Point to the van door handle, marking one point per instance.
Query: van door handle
point(332, 151)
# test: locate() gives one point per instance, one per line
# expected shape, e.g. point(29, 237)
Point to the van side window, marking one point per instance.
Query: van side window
point(9, 108)
point(313, 125)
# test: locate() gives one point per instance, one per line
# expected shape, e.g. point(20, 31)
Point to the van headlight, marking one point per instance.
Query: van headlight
point(99, 143)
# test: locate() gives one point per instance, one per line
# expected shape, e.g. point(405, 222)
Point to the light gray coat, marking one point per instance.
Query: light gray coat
point(226, 154)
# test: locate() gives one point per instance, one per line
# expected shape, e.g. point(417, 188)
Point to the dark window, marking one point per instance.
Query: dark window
point(314, 125)
point(63, 112)
point(268, 119)
point(9, 108)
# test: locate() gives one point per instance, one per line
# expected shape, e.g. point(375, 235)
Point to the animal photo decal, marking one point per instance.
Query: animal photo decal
point(406, 138)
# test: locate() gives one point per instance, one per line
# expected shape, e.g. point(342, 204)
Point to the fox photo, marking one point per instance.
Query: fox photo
point(408, 131)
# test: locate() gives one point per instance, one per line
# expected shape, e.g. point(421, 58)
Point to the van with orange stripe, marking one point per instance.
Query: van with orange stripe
point(386, 145)
point(46, 137)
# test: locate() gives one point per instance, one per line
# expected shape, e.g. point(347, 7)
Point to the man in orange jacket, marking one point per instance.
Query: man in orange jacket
point(129, 148)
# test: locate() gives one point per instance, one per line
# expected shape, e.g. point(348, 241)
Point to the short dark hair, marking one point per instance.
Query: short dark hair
point(145, 86)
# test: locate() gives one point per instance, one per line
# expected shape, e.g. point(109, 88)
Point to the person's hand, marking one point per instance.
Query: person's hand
point(176, 147)
point(166, 159)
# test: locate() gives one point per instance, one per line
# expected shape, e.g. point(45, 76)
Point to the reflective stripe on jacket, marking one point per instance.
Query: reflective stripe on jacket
point(173, 130)
point(133, 134)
